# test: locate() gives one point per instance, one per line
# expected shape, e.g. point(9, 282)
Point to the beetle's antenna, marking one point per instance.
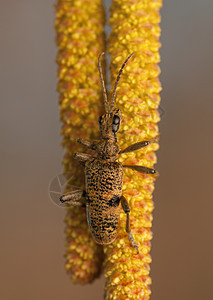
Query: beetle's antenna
point(102, 83)
point(116, 83)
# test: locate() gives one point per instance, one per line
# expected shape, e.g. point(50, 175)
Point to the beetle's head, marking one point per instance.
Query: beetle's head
point(109, 123)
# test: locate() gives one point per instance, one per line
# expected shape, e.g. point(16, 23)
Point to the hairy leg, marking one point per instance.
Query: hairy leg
point(82, 157)
point(139, 145)
point(141, 169)
point(126, 208)
point(75, 198)
point(85, 142)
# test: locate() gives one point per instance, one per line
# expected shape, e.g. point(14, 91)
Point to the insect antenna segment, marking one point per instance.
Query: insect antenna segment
point(106, 103)
point(117, 81)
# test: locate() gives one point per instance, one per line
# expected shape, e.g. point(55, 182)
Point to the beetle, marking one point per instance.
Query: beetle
point(104, 174)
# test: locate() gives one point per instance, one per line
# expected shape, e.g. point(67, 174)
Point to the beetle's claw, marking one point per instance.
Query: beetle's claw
point(61, 199)
point(133, 242)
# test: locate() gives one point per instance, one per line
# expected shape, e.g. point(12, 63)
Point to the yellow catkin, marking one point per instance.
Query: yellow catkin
point(80, 39)
point(135, 29)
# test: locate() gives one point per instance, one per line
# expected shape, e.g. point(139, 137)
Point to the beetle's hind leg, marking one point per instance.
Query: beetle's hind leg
point(75, 198)
point(126, 208)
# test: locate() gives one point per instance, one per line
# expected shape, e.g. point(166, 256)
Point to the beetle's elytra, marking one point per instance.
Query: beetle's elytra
point(104, 174)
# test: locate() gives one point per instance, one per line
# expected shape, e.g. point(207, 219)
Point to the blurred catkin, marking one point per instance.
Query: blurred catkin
point(135, 29)
point(80, 39)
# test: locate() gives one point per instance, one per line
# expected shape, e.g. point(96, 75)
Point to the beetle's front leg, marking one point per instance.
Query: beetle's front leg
point(85, 142)
point(126, 208)
point(139, 145)
point(89, 144)
point(82, 157)
point(75, 198)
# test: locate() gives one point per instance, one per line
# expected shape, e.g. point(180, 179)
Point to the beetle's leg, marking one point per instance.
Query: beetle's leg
point(141, 169)
point(75, 198)
point(91, 145)
point(82, 157)
point(139, 145)
point(85, 142)
point(126, 208)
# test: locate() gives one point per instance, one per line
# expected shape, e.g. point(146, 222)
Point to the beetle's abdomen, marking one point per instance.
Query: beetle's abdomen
point(104, 188)
point(103, 223)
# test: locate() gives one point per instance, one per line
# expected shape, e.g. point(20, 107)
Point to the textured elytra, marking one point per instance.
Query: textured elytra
point(104, 188)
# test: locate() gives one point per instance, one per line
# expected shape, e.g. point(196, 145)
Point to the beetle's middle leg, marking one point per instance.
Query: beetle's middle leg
point(142, 169)
point(126, 208)
point(75, 198)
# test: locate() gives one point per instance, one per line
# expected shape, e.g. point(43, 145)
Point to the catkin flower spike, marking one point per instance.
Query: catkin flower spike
point(80, 38)
point(135, 29)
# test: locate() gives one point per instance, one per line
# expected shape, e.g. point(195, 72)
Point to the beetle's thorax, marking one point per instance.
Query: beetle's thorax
point(107, 149)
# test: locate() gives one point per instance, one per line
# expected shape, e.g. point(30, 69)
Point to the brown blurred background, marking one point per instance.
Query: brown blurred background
point(32, 239)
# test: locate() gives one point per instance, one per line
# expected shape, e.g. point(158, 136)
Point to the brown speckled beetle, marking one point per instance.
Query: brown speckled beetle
point(104, 175)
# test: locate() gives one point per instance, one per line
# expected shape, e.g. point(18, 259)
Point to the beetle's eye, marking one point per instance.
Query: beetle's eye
point(116, 120)
point(99, 120)
point(115, 123)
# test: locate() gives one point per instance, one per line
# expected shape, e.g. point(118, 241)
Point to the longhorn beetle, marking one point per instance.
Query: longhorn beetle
point(104, 174)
